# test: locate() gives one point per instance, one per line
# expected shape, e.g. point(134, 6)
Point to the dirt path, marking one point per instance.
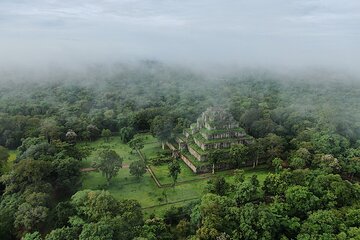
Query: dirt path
point(90, 169)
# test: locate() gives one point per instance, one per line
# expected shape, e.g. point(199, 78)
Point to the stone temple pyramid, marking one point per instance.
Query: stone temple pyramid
point(214, 129)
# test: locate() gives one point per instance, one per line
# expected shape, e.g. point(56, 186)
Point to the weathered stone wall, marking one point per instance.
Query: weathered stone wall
point(200, 144)
point(182, 146)
point(221, 167)
point(188, 163)
point(170, 146)
point(218, 167)
point(186, 134)
point(197, 155)
point(204, 135)
point(229, 134)
point(219, 145)
point(239, 134)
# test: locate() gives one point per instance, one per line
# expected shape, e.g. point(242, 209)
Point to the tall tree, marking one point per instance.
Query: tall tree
point(174, 170)
point(106, 133)
point(136, 143)
point(109, 163)
point(256, 151)
point(300, 200)
point(93, 132)
point(162, 127)
point(218, 186)
point(137, 169)
point(215, 156)
point(277, 164)
point(274, 146)
point(31, 215)
point(50, 129)
point(126, 134)
point(239, 153)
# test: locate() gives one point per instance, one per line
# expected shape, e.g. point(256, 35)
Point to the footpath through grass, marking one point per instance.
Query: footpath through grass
point(152, 198)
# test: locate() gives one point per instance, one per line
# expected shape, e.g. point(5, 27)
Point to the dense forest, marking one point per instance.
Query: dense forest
point(305, 127)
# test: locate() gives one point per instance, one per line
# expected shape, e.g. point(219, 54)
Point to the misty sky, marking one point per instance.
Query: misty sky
point(251, 32)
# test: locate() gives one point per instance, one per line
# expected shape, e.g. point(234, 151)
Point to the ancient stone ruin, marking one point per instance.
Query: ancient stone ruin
point(214, 129)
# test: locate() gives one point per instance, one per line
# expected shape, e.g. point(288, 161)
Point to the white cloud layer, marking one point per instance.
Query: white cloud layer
point(242, 32)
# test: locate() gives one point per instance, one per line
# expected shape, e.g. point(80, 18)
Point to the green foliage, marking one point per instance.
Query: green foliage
point(32, 236)
point(98, 215)
point(106, 133)
point(275, 184)
point(309, 125)
point(329, 143)
point(8, 207)
point(239, 154)
point(137, 168)
point(27, 173)
point(183, 228)
point(126, 134)
point(64, 233)
point(301, 200)
point(213, 210)
point(94, 205)
point(109, 163)
point(273, 146)
point(162, 127)
point(217, 186)
point(62, 212)
point(333, 191)
point(239, 175)
point(277, 164)
point(216, 156)
point(328, 163)
point(30, 217)
point(249, 191)
point(174, 170)
point(297, 162)
point(100, 231)
point(136, 143)
point(156, 229)
point(50, 129)
point(4, 155)
point(323, 224)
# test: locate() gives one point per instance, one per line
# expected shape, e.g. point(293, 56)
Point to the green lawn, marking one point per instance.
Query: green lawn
point(162, 174)
point(144, 190)
point(114, 143)
point(125, 186)
point(152, 146)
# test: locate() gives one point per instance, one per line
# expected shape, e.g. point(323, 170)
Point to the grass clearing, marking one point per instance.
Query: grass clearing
point(154, 200)
point(152, 147)
point(162, 174)
point(114, 143)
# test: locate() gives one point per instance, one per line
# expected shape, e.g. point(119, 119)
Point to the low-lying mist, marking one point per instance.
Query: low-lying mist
point(208, 36)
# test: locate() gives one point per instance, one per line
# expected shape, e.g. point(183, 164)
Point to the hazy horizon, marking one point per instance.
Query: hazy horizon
point(265, 34)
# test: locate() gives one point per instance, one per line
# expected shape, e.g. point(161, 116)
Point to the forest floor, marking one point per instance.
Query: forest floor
point(190, 186)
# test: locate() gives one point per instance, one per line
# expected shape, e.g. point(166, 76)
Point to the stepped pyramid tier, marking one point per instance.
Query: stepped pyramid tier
point(216, 118)
point(214, 129)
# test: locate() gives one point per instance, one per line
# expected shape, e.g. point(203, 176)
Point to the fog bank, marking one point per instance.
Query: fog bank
point(277, 34)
